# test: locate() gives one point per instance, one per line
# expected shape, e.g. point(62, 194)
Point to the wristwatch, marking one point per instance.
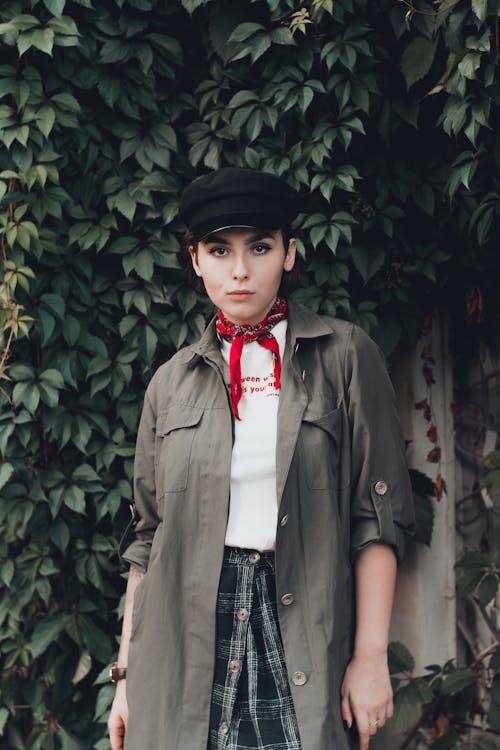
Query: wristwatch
point(117, 673)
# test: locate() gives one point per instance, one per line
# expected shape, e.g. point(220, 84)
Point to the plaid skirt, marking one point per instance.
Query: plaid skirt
point(252, 706)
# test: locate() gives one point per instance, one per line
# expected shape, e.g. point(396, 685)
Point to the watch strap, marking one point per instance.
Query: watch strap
point(117, 673)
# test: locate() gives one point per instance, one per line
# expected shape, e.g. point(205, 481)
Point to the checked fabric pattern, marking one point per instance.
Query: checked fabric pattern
point(252, 707)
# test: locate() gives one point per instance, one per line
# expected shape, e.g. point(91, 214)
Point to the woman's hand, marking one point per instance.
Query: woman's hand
point(367, 695)
point(118, 717)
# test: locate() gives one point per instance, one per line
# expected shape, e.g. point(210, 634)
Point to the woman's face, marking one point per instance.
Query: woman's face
point(242, 270)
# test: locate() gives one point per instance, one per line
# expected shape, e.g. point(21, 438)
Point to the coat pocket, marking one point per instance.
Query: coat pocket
point(320, 439)
point(175, 431)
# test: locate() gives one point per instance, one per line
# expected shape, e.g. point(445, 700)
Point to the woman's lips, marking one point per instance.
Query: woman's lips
point(240, 293)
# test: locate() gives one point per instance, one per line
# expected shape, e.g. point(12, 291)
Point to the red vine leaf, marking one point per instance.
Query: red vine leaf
point(440, 726)
point(424, 405)
point(440, 487)
point(432, 433)
point(428, 375)
point(426, 325)
point(434, 455)
point(474, 305)
point(426, 355)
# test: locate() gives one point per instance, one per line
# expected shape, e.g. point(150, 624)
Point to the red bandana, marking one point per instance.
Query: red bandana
point(244, 334)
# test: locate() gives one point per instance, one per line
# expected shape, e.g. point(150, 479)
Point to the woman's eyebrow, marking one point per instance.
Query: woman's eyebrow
point(211, 238)
point(259, 236)
point(217, 238)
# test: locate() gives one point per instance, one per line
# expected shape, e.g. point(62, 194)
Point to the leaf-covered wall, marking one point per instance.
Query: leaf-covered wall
point(383, 115)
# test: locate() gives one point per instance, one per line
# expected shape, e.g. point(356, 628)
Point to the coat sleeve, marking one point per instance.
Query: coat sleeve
point(381, 497)
point(135, 546)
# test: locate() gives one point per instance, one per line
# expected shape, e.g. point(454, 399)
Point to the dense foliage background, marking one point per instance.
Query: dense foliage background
point(383, 115)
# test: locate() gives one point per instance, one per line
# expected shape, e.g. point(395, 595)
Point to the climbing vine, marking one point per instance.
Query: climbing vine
point(386, 123)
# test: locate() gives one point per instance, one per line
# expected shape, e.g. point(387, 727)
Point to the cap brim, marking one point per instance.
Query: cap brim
point(228, 226)
point(246, 221)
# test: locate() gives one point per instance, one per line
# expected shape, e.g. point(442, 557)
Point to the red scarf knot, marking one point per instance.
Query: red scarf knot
point(239, 335)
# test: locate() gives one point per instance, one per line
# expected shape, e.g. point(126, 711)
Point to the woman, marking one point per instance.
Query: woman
point(272, 498)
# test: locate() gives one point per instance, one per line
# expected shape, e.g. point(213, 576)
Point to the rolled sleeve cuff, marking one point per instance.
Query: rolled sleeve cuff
point(368, 531)
point(134, 550)
point(136, 553)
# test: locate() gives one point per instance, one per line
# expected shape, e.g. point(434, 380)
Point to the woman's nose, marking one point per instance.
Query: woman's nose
point(240, 270)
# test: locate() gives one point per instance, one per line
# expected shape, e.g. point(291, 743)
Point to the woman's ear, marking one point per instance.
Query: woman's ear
point(290, 254)
point(194, 259)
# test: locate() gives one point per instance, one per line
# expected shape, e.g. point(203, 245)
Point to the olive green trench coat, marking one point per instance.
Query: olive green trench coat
point(342, 483)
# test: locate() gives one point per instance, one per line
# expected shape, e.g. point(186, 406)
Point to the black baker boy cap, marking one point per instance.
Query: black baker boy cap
point(235, 197)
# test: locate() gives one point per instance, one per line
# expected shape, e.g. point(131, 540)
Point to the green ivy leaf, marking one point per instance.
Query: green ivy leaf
point(480, 8)
point(400, 659)
point(407, 702)
point(7, 572)
point(83, 667)
point(56, 7)
point(368, 260)
point(68, 741)
point(45, 633)
point(456, 682)
point(488, 589)
point(4, 715)
point(74, 499)
point(42, 39)
point(417, 59)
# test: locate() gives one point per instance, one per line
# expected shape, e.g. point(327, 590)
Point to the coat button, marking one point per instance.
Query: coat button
point(234, 665)
point(242, 614)
point(284, 520)
point(381, 487)
point(287, 599)
point(224, 727)
point(254, 557)
point(299, 678)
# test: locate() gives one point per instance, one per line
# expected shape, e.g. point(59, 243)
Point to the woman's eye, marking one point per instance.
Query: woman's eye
point(218, 251)
point(261, 249)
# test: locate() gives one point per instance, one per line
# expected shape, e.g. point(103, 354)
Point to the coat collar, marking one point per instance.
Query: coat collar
point(302, 324)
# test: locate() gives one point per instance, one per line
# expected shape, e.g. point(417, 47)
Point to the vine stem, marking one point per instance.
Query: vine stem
point(487, 619)
point(484, 654)
point(6, 349)
point(432, 13)
point(479, 729)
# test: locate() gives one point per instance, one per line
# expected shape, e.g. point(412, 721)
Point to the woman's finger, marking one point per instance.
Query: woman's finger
point(116, 734)
point(364, 740)
point(390, 710)
point(346, 711)
point(381, 721)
